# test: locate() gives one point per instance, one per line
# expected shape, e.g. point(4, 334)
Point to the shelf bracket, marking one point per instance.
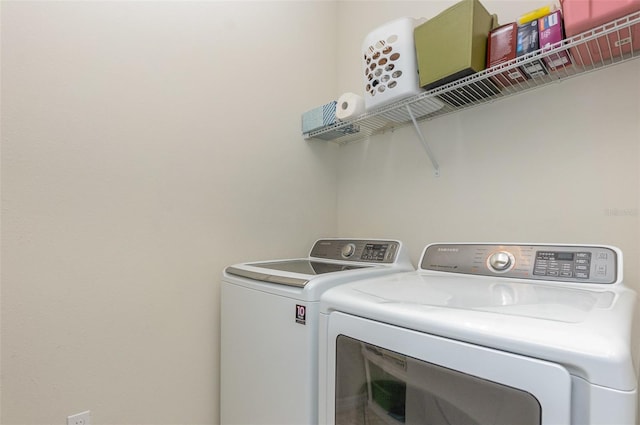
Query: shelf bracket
point(425, 145)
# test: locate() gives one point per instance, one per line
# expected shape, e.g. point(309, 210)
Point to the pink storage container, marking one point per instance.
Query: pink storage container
point(583, 15)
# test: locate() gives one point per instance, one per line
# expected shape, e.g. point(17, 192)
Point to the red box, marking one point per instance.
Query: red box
point(550, 32)
point(584, 15)
point(501, 48)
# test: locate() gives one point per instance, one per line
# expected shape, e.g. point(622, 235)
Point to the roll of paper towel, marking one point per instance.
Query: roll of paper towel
point(349, 106)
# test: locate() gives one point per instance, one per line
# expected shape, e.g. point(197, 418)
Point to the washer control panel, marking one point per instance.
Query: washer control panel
point(362, 250)
point(562, 263)
point(565, 264)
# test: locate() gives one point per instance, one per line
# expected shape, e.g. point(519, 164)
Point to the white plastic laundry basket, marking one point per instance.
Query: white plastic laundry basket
point(389, 62)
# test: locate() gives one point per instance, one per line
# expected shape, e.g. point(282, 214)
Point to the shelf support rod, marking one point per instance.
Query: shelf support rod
point(432, 157)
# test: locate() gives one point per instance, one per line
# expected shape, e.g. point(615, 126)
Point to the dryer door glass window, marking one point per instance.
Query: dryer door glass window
point(377, 386)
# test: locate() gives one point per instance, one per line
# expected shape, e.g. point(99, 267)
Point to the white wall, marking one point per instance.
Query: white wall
point(146, 145)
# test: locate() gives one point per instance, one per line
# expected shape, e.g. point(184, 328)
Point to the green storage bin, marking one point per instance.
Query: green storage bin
point(453, 44)
point(390, 396)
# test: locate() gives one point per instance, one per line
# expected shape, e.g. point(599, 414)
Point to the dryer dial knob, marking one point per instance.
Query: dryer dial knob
point(348, 250)
point(501, 261)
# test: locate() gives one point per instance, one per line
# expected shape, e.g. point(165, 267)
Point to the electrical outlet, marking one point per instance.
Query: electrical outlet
point(83, 418)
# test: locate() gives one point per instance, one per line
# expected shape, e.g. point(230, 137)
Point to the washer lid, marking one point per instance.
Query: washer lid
point(335, 260)
point(269, 272)
point(309, 267)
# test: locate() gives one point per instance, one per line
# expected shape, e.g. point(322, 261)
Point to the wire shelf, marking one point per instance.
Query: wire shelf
point(601, 47)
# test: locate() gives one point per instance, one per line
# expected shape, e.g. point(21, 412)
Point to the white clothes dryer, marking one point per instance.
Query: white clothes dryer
point(482, 334)
point(269, 330)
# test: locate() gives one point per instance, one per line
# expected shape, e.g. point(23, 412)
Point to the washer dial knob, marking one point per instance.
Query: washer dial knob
point(348, 250)
point(501, 261)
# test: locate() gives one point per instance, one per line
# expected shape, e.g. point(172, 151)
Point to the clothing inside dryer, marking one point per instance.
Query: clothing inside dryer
point(375, 386)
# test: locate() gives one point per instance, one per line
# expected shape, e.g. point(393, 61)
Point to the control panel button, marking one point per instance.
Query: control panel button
point(540, 271)
point(348, 250)
point(500, 261)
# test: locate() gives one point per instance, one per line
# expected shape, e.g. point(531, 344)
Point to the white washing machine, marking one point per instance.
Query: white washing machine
point(498, 334)
point(269, 332)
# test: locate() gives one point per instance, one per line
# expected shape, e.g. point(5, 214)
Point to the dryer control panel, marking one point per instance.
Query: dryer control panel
point(562, 263)
point(361, 250)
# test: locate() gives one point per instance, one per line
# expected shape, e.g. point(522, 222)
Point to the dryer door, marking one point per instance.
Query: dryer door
point(382, 374)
